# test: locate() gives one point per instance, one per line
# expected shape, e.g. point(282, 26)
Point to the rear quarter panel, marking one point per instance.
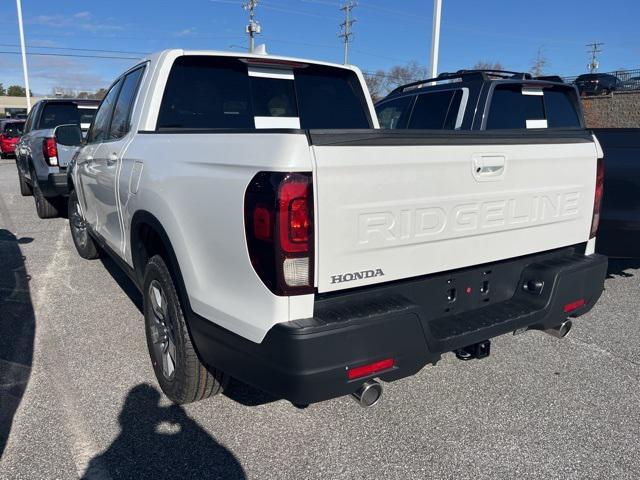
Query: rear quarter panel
point(194, 184)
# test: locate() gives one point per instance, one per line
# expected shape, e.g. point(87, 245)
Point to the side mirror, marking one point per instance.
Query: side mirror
point(68, 135)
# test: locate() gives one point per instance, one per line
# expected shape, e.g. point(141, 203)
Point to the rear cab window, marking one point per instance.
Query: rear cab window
point(517, 106)
point(206, 92)
point(59, 113)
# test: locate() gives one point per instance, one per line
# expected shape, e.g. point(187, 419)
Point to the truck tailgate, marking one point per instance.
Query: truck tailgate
point(394, 204)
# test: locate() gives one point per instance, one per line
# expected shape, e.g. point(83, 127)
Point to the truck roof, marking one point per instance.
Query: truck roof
point(476, 75)
point(79, 101)
point(262, 58)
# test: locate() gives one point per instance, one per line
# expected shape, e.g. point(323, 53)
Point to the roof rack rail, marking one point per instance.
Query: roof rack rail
point(475, 74)
point(550, 78)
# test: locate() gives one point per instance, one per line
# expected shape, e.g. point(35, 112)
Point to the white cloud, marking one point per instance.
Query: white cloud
point(186, 32)
point(82, 20)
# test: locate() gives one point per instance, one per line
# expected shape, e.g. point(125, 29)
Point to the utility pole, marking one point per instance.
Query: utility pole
point(24, 56)
point(595, 50)
point(253, 27)
point(435, 39)
point(346, 27)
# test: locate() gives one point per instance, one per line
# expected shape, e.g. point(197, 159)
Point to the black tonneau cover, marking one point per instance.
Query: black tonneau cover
point(374, 137)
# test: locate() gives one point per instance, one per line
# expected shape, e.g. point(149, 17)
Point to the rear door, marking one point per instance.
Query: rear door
point(399, 204)
point(109, 159)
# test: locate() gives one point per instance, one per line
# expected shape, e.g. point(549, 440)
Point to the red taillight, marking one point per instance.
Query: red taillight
point(570, 307)
point(294, 215)
point(597, 201)
point(50, 151)
point(370, 369)
point(279, 230)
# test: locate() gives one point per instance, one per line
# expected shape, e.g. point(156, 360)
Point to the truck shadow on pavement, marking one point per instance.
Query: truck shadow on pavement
point(17, 330)
point(618, 267)
point(159, 442)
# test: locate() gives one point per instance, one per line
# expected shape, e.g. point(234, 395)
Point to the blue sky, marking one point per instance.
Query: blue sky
point(386, 33)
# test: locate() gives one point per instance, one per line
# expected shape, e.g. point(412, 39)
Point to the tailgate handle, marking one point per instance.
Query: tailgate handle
point(488, 165)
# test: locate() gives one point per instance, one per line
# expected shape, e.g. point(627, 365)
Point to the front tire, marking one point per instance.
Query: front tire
point(45, 207)
point(85, 245)
point(181, 375)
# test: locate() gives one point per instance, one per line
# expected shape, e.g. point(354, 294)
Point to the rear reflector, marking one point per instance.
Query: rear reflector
point(370, 369)
point(570, 307)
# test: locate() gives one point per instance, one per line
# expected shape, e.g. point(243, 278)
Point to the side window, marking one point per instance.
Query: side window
point(394, 113)
point(510, 108)
point(32, 114)
point(431, 110)
point(560, 106)
point(100, 127)
point(122, 110)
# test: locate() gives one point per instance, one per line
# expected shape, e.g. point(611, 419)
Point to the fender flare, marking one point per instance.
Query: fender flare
point(143, 217)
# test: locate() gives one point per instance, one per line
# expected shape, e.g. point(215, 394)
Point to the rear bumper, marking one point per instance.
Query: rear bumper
point(55, 185)
point(412, 321)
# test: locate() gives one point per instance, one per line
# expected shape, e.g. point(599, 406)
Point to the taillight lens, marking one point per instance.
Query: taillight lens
point(597, 201)
point(50, 151)
point(279, 230)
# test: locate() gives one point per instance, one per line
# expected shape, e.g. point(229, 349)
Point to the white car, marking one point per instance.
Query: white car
point(279, 237)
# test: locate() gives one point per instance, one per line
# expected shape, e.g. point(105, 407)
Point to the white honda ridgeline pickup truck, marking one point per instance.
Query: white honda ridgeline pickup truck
point(279, 237)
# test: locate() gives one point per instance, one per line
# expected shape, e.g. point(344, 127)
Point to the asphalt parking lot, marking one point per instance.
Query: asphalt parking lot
point(78, 398)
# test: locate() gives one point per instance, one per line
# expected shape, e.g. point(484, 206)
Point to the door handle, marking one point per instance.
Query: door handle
point(112, 159)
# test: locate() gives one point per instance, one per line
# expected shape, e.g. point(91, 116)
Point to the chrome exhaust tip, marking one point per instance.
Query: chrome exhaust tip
point(368, 394)
point(561, 330)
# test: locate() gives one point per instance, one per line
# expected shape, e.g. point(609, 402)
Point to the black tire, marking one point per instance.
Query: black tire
point(181, 375)
point(85, 244)
point(25, 188)
point(45, 207)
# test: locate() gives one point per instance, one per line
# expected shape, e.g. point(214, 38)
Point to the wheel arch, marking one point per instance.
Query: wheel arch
point(148, 238)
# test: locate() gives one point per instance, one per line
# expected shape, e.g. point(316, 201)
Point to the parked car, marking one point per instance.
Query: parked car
point(41, 166)
point(10, 131)
point(482, 100)
point(597, 83)
point(279, 237)
point(620, 217)
point(632, 83)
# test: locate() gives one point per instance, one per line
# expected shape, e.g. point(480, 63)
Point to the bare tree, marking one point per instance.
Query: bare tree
point(539, 63)
point(376, 83)
point(488, 65)
point(381, 83)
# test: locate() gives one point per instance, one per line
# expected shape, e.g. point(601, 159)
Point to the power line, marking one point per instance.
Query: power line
point(595, 50)
point(75, 49)
point(346, 27)
point(70, 55)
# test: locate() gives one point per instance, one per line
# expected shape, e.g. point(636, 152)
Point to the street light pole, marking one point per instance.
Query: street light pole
point(24, 56)
point(435, 39)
